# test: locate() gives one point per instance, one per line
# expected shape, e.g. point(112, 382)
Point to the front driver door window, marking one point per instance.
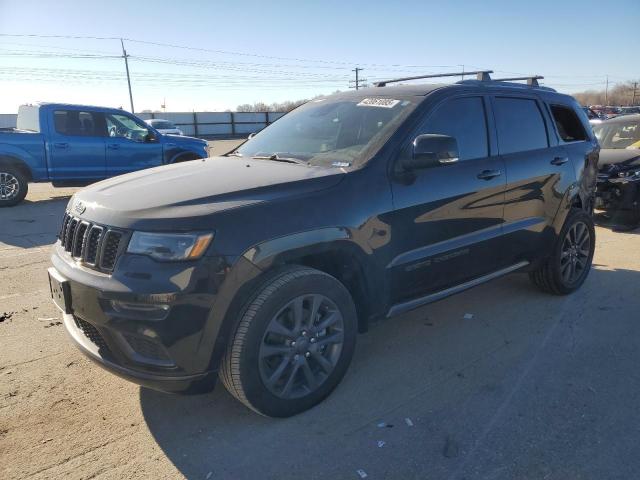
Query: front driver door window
point(122, 126)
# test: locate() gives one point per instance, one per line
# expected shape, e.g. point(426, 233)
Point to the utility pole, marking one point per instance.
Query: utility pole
point(606, 92)
point(633, 100)
point(462, 76)
point(359, 82)
point(126, 65)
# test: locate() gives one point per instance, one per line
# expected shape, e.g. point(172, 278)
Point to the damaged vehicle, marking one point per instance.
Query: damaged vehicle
point(618, 186)
point(260, 267)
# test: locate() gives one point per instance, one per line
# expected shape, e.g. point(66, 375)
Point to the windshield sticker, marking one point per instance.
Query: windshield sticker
point(379, 102)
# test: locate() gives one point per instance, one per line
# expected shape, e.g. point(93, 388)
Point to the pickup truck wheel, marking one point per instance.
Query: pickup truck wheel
point(293, 344)
point(13, 186)
point(566, 270)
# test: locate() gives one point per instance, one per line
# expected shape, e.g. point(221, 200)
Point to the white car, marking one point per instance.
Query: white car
point(164, 126)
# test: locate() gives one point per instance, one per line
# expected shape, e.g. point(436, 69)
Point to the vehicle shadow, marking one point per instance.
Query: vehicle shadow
point(32, 223)
point(617, 222)
point(446, 369)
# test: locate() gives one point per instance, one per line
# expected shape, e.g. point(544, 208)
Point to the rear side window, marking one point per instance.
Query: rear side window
point(520, 125)
point(569, 126)
point(79, 124)
point(465, 120)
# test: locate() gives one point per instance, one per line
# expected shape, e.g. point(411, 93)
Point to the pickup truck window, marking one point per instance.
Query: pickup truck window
point(123, 126)
point(79, 124)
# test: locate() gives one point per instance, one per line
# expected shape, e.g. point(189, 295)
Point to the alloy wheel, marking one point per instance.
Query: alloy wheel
point(9, 186)
point(301, 346)
point(574, 256)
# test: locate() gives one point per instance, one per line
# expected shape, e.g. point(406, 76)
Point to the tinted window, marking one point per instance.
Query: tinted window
point(77, 123)
point(465, 120)
point(519, 124)
point(569, 125)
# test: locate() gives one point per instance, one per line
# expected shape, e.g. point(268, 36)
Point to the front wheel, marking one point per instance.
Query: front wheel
point(13, 186)
point(293, 344)
point(568, 266)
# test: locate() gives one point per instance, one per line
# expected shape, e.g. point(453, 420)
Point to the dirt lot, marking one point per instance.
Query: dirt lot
point(530, 386)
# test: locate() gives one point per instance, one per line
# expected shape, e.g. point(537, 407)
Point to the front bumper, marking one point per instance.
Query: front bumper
point(156, 381)
point(149, 322)
point(617, 194)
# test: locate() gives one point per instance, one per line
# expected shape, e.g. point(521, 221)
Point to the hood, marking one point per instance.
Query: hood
point(621, 158)
point(183, 139)
point(185, 192)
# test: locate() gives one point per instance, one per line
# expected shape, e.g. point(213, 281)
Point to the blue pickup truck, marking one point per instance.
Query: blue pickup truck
point(74, 145)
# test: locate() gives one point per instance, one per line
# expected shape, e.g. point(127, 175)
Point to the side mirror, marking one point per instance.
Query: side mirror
point(251, 135)
point(150, 137)
point(432, 150)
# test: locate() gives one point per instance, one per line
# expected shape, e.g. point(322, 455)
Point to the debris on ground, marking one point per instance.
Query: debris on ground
point(53, 324)
point(381, 443)
point(451, 448)
point(361, 473)
point(408, 422)
point(208, 475)
point(384, 424)
point(468, 316)
point(6, 316)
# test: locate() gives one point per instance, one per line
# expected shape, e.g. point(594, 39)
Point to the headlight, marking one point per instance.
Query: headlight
point(629, 174)
point(170, 246)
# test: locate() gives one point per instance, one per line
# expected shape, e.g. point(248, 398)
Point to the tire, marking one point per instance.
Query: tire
point(551, 276)
point(13, 186)
point(272, 363)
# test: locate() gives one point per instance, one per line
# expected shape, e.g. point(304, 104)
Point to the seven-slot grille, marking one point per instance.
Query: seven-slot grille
point(96, 246)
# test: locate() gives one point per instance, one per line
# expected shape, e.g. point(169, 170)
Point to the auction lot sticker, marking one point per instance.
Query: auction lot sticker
point(379, 102)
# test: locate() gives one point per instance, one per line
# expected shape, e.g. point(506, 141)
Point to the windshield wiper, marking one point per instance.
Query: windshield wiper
point(275, 157)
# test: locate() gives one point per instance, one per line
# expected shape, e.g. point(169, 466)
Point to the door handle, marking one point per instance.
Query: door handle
point(489, 174)
point(559, 160)
point(113, 146)
point(61, 145)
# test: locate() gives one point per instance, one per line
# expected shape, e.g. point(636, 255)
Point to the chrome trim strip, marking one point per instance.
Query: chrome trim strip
point(434, 297)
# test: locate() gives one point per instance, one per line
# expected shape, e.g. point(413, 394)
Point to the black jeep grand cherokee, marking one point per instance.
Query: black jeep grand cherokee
point(260, 266)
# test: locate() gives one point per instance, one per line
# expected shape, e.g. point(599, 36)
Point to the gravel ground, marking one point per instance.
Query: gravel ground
point(526, 386)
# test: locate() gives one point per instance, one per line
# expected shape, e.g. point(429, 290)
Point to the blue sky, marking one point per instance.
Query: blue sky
point(573, 43)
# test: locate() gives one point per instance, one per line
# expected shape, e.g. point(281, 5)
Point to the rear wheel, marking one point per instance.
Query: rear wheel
point(293, 344)
point(13, 186)
point(567, 268)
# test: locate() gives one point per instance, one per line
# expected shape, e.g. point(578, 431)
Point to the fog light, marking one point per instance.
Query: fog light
point(144, 310)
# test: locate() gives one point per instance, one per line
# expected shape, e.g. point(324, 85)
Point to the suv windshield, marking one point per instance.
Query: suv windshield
point(618, 134)
point(340, 131)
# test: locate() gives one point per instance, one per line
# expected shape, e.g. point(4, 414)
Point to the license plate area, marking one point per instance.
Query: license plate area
point(60, 291)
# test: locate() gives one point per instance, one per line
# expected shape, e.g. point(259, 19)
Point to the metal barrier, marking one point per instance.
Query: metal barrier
point(199, 124)
point(217, 124)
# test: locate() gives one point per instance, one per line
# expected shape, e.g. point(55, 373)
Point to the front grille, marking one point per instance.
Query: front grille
point(110, 250)
point(92, 334)
point(94, 245)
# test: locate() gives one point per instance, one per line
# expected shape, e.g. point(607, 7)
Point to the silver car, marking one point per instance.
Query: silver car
point(164, 126)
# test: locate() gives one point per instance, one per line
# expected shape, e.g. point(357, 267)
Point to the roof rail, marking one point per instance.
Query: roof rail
point(532, 80)
point(481, 75)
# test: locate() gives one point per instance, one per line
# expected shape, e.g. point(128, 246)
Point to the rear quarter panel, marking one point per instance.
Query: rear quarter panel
point(29, 148)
